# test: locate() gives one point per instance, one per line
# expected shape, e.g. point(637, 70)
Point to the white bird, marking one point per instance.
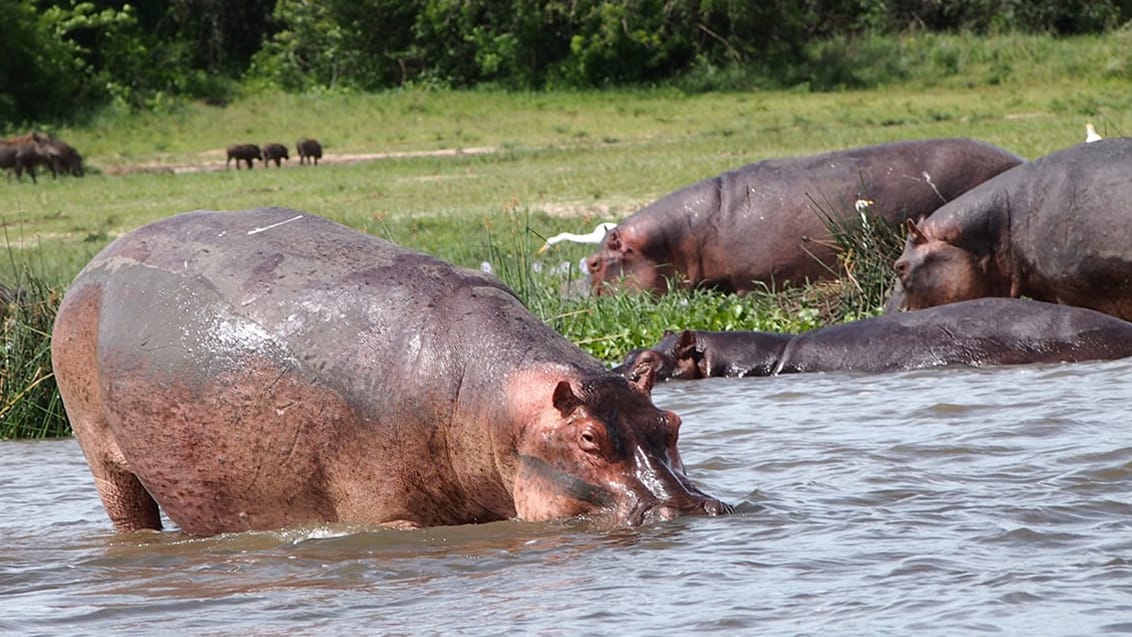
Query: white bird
point(1091, 133)
point(594, 237)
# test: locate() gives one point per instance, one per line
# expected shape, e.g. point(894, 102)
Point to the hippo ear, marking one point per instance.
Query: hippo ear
point(643, 376)
point(565, 401)
point(685, 345)
point(613, 240)
point(915, 234)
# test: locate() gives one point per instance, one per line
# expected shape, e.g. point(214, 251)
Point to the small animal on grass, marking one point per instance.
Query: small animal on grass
point(1055, 229)
point(767, 223)
point(22, 153)
point(310, 151)
point(243, 152)
point(274, 152)
point(976, 333)
point(265, 368)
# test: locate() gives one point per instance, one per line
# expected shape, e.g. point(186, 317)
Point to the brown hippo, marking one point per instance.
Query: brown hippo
point(763, 223)
point(988, 331)
point(276, 152)
point(1052, 230)
point(309, 150)
point(263, 368)
point(243, 152)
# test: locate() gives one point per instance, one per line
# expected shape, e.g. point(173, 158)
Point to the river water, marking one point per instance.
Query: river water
point(942, 502)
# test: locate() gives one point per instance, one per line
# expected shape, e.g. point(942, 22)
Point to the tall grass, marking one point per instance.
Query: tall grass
point(30, 406)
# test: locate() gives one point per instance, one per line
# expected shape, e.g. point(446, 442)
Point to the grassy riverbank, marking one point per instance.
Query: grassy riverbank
point(475, 177)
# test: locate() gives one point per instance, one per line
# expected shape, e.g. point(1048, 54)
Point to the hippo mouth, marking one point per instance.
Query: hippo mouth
point(649, 513)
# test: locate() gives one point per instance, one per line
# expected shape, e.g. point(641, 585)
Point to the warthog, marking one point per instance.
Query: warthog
point(275, 152)
point(309, 149)
point(63, 158)
point(243, 152)
point(23, 152)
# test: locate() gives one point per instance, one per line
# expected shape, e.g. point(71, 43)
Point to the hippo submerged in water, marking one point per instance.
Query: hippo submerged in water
point(1055, 229)
point(990, 331)
point(763, 224)
point(263, 368)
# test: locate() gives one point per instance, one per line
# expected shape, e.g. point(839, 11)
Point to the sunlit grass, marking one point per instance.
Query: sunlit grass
point(554, 162)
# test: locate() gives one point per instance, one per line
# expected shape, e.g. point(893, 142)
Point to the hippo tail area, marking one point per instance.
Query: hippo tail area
point(74, 345)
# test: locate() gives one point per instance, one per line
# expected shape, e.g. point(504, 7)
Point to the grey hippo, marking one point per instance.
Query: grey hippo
point(266, 368)
point(987, 331)
point(765, 224)
point(1052, 229)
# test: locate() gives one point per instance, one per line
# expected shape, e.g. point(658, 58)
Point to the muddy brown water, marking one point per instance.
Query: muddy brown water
point(941, 502)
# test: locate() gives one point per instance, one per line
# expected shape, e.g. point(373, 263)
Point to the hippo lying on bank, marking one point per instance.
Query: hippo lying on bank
point(764, 224)
point(1055, 229)
point(990, 331)
point(263, 368)
point(243, 152)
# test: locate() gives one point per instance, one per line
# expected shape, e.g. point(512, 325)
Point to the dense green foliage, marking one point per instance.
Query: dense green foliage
point(65, 59)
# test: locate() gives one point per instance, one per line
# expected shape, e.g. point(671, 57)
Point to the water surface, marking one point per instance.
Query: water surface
point(941, 502)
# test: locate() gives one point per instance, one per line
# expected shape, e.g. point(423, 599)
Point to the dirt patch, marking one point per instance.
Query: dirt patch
point(208, 164)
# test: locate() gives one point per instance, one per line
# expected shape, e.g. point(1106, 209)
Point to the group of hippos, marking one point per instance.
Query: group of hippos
point(23, 153)
point(309, 151)
point(1044, 239)
point(265, 368)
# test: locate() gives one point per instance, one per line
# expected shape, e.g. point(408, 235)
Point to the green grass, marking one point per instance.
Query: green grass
point(559, 161)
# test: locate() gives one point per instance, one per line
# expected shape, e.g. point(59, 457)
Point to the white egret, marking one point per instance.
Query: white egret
point(594, 237)
point(1091, 133)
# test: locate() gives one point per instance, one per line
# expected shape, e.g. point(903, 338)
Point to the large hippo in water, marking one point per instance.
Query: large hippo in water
point(988, 331)
point(763, 224)
point(1055, 229)
point(262, 368)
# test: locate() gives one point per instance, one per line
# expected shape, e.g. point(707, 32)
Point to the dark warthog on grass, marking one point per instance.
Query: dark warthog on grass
point(309, 150)
point(276, 152)
point(63, 158)
point(22, 153)
point(243, 152)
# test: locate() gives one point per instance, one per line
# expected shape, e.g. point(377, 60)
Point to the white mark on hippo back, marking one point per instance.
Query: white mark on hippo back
point(928, 181)
point(274, 225)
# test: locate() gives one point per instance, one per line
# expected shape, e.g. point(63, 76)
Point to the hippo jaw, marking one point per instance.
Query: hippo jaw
point(607, 454)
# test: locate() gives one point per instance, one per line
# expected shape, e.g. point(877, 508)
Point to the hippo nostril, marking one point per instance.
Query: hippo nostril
point(901, 267)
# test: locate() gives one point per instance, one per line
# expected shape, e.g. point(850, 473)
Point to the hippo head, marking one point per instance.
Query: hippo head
point(935, 272)
point(624, 261)
point(604, 451)
point(675, 356)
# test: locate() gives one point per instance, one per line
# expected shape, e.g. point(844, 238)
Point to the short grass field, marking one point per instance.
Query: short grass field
point(482, 177)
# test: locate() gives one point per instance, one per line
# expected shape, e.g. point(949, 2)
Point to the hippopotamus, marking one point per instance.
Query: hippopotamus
point(276, 152)
point(309, 150)
point(267, 367)
point(979, 332)
point(243, 152)
point(1052, 229)
point(765, 224)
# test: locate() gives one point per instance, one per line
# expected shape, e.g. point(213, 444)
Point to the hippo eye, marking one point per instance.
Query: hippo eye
point(589, 440)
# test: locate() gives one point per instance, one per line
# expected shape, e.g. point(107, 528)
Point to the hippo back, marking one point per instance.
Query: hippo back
point(353, 311)
point(985, 331)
